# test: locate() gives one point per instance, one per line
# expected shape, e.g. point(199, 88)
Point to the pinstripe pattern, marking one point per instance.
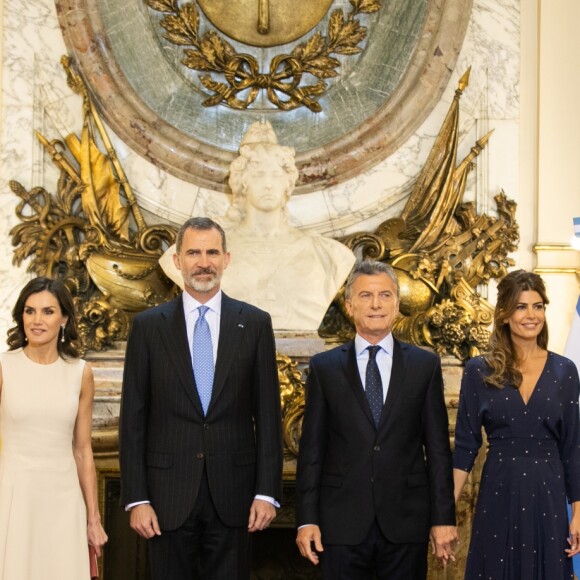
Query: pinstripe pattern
point(165, 439)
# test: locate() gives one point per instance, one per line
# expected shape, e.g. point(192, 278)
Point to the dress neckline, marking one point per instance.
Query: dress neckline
point(526, 404)
point(39, 363)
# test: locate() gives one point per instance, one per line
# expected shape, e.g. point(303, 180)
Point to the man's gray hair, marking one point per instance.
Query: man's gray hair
point(369, 268)
point(201, 224)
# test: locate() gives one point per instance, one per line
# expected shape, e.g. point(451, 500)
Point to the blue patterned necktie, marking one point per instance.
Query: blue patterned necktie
point(374, 385)
point(202, 356)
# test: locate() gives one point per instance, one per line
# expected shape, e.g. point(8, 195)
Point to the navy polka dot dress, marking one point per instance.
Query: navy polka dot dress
point(533, 464)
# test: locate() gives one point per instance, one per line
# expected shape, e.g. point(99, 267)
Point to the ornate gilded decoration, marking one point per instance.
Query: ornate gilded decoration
point(265, 22)
point(382, 98)
point(293, 402)
point(91, 234)
point(286, 83)
point(442, 250)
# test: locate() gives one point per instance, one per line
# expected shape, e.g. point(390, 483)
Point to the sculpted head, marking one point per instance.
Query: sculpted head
point(264, 175)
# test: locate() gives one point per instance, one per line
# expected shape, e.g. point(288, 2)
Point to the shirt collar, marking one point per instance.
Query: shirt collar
point(190, 303)
point(387, 344)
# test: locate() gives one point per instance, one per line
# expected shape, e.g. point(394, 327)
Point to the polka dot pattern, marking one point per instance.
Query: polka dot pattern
point(532, 469)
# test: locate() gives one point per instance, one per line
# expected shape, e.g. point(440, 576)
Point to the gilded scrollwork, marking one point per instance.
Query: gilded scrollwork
point(286, 83)
point(293, 401)
point(88, 236)
point(441, 250)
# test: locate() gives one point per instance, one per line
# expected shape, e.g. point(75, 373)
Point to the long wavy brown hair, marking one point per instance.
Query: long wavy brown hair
point(502, 357)
point(16, 335)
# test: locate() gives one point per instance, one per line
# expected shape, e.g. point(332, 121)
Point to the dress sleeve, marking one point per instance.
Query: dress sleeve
point(570, 442)
point(468, 437)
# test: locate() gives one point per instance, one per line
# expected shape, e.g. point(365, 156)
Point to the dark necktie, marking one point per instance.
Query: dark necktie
point(374, 385)
point(203, 367)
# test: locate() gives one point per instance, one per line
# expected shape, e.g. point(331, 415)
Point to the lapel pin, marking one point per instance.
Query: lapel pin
point(240, 325)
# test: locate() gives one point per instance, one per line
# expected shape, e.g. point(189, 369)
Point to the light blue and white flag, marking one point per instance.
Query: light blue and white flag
point(576, 227)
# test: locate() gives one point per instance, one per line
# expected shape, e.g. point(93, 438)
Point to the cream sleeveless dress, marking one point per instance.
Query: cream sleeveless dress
point(42, 513)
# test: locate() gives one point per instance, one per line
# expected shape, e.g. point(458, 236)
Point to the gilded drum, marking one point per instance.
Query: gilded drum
point(265, 22)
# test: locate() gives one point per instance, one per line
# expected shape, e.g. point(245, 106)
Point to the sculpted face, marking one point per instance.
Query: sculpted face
point(202, 262)
point(529, 317)
point(266, 184)
point(42, 318)
point(374, 306)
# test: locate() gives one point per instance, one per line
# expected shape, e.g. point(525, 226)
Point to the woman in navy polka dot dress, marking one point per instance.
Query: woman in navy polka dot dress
point(526, 399)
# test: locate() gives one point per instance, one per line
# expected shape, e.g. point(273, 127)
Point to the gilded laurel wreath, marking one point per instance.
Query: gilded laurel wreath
point(285, 83)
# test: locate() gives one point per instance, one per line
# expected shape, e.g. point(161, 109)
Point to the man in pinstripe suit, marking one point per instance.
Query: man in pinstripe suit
point(197, 482)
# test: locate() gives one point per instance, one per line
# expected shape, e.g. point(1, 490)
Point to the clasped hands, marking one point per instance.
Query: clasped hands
point(443, 541)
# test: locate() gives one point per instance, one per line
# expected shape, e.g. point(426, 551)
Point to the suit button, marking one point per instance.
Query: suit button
point(377, 448)
point(199, 455)
point(205, 426)
point(372, 479)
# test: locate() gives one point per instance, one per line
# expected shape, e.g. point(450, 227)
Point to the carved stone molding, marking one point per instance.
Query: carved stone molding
point(192, 158)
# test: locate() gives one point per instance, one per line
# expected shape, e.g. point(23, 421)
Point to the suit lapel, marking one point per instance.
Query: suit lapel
point(174, 333)
point(350, 368)
point(397, 381)
point(231, 332)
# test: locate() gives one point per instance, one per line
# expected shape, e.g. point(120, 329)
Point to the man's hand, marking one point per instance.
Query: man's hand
point(307, 535)
point(144, 521)
point(443, 540)
point(574, 537)
point(261, 514)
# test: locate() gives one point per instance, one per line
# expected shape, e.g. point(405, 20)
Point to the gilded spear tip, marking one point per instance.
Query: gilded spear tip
point(41, 138)
point(483, 141)
point(464, 80)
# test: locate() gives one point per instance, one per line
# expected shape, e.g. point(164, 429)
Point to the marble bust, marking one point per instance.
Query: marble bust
point(291, 274)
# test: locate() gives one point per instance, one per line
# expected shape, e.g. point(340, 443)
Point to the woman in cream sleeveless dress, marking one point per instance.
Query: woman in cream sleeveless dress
point(48, 492)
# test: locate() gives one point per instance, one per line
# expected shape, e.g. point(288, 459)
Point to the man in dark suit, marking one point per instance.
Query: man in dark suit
point(374, 476)
point(200, 433)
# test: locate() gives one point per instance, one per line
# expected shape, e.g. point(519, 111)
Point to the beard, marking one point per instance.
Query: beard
point(202, 285)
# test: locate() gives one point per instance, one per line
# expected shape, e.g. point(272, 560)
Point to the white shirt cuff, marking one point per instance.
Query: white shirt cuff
point(268, 499)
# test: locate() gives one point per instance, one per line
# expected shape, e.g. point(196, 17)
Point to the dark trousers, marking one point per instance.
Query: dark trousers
point(375, 557)
point(203, 548)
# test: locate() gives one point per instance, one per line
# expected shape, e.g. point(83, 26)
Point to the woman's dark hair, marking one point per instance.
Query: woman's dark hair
point(17, 337)
point(502, 357)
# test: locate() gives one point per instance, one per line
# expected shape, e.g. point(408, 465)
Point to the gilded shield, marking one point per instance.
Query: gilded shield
point(265, 22)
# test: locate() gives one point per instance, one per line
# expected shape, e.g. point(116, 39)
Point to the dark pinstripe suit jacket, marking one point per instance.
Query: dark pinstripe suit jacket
point(351, 472)
point(164, 438)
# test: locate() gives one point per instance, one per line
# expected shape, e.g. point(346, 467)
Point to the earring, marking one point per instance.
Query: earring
point(25, 339)
point(62, 335)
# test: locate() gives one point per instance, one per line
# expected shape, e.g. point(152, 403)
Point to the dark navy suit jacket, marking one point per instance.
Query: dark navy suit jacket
point(165, 440)
point(350, 472)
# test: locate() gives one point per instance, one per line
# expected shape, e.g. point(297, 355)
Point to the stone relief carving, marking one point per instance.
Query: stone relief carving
point(242, 79)
point(381, 99)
